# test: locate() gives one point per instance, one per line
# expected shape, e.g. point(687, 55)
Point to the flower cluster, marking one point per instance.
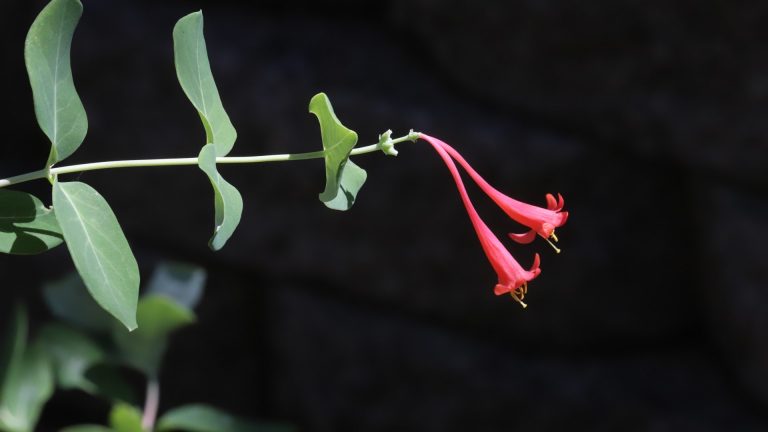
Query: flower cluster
point(513, 278)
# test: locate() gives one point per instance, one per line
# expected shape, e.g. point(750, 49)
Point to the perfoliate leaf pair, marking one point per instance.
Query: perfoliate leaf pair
point(83, 218)
point(343, 179)
point(194, 72)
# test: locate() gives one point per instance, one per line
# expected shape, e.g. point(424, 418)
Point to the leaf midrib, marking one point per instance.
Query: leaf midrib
point(88, 237)
point(56, 82)
point(197, 66)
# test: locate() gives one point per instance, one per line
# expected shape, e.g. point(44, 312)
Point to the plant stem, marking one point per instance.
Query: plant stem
point(48, 172)
point(151, 404)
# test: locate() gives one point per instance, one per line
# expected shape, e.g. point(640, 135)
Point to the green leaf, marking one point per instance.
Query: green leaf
point(352, 179)
point(27, 384)
point(72, 353)
point(204, 418)
point(228, 204)
point(158, 317)
point(338, 142)
point(69, 300)
point(196, 79)
point(26, 225)
point(87, 428)
point(183, 283)
point(125, 418)
point(99, 249)
point(58, 108)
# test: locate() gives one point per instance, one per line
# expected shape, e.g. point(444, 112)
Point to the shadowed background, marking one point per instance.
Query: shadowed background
point(648, 116)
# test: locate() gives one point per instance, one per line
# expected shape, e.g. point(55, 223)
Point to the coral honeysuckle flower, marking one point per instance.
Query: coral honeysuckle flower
point(513, 279)
point(541, 221)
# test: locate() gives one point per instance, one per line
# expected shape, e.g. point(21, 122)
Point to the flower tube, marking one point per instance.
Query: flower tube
point(513, 279)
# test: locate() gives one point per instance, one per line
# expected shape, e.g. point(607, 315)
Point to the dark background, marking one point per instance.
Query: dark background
point(649, 117)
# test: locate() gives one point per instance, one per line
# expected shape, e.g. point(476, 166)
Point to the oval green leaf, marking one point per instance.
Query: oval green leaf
point(158, 317)
point(204, 418)
point(227, 204)
point(194, 72)
point(338, 142)
point(27, 226)
point(58, 108)
point(99, 249)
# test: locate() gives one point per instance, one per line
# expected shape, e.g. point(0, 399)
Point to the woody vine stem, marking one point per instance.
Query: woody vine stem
point(387, 146)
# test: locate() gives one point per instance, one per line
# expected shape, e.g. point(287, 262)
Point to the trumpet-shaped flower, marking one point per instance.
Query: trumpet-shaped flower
point(541, 221)
point(513, 278)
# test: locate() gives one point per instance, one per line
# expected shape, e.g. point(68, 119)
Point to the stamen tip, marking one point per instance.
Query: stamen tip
point(557, 250)
point(519, 298)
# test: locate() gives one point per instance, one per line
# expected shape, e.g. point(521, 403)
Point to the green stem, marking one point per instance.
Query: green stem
point(50, 172)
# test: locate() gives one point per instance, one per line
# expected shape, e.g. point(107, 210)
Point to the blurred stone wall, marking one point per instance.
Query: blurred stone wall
point(647, 116)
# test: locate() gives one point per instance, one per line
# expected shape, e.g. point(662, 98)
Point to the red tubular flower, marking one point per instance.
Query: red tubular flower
point(513, 279)
point(541, 221)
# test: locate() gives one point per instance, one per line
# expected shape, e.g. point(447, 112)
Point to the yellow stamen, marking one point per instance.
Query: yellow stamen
point(519, 294)
point(554, 237)
point(557, 250)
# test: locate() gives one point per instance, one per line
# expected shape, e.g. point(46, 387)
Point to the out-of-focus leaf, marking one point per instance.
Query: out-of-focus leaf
point(196, 79)
point(338, 142)
point(73, 353)
point(204, 418)
point(87, 428)
point(14, 345)
point(99, 249)
point(27, 226)
point(111, 384)
point(69, 300)
point(158, 317)
point(184, 283)
point(58, 108)
point(125, 418)
point(28, 381)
